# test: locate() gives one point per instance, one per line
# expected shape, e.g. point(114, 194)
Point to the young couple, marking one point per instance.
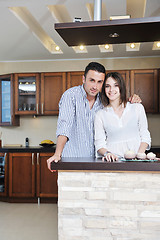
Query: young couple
point(118, 123)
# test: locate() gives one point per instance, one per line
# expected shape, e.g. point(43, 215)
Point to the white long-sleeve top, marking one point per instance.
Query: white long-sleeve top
point(119, 134)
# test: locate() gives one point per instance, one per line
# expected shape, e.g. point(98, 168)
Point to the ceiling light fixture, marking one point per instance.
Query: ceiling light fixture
point(158, 44)
point(81, 47)
point(132, 45)
point(57, 48)
point(137, 31)
point(106, 46)
point(119, 17)
point(114, 35)
point(77, 19)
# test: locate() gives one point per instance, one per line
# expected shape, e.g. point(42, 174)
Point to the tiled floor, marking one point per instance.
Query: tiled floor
point(28, 221)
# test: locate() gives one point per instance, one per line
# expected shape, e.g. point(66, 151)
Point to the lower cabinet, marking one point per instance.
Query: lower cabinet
point(3, 174)
point(46, 181)
point(30, 177)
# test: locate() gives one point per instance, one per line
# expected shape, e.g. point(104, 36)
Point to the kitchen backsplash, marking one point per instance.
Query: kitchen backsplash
point(44, 127)
point(36, 129)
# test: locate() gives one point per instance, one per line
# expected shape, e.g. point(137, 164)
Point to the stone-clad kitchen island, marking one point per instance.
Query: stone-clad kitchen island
point(108, 201)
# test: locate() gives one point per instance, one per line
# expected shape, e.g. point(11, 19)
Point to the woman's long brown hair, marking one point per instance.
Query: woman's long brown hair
point(122, 88)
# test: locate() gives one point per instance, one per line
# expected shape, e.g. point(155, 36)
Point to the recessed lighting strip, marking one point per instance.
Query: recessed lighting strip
point(31, 23)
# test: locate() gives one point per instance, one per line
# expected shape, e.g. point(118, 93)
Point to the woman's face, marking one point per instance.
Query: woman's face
point(112, 89)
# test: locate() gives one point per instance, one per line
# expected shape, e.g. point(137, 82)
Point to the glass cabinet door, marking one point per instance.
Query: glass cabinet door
point(27, 94)
point(6, 101)
point(7, 114)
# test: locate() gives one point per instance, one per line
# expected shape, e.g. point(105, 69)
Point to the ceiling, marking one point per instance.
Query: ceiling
point(27, 28)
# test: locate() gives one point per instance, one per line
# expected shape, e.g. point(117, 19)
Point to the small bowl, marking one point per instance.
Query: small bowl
point(130, 155)
point(141, 156)
point(151, 156)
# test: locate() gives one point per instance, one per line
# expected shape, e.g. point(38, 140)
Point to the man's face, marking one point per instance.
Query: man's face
point(93, 82)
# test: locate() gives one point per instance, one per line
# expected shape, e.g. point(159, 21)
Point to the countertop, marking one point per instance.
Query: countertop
point(89, 163)
point(28, 149)
point(93, 164)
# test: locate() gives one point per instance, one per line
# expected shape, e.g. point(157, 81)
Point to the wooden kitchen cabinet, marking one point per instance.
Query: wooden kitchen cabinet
point(22, 171)
point(46, 180)
point(3, 174)
point(27, 93)
point(74, 79)
point(30, 177)
point(145, 84)
point(52, 87)
point(7, 108)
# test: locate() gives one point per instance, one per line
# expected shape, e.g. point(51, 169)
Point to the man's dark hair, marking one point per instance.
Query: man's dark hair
point(95, 66)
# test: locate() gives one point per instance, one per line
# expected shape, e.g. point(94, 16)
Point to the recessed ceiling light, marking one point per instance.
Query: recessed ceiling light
point(158, 44)
point(114, 35)
point(81, 47)
point(106, 46)
point(132, 45)
point(57, 48)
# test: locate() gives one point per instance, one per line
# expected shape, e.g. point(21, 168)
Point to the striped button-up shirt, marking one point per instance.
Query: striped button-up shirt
point(76, 122)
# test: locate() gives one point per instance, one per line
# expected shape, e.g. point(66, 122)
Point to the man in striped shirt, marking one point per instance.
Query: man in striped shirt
point(77, 107)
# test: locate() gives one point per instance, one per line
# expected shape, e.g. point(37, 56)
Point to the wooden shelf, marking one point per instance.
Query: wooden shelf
point(27, 94)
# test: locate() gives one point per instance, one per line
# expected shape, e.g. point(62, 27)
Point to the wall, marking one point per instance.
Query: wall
point(45, 127)
point(79, 65)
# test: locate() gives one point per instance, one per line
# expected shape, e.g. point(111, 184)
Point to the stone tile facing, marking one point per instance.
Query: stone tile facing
point(107, 205)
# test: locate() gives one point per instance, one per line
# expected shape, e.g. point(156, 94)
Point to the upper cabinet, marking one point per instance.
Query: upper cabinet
point(74, 79)
point(145, 84)
point(7, 108)
point(38, 94)
point(52, 87)
point(27, 93)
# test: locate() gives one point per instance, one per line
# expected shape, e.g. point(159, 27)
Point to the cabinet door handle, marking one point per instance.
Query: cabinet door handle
point(42, 108)
point(37, 109)
point(32, 158)
point(5, 158)
point(37, 158)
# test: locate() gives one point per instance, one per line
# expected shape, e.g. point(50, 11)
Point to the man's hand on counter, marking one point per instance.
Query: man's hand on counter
point(55, 158)
point(61, 141)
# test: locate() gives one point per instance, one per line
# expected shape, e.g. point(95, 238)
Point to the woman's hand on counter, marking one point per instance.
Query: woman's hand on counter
point(110, 157)
point(55, 158)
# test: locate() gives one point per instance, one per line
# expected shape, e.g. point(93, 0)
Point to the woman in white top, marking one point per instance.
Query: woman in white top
point(120, 126)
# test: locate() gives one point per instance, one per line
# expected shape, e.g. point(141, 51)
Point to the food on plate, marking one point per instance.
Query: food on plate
point(151, 155)
point(141, 156)
point(47, 142)
point(129, 154)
